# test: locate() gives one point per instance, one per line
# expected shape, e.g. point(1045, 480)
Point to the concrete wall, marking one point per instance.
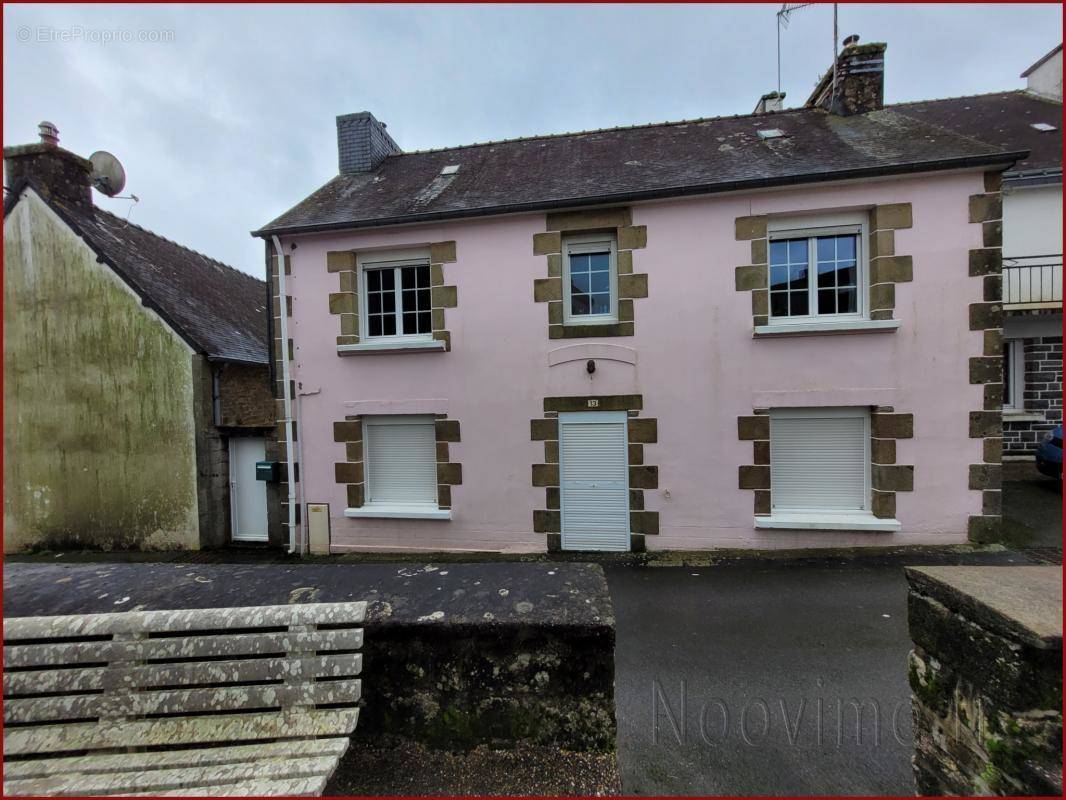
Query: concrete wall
point(697, 367)
point(1047, 78)
point(99, 438)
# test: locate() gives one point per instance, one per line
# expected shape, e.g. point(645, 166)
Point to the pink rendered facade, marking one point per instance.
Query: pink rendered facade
point(694, 361)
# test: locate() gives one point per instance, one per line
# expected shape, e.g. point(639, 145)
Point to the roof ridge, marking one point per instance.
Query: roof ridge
point(638, 126)
point(963, 97)
point(204, 256)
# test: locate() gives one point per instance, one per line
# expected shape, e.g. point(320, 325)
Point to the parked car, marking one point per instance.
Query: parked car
point(1049, 454)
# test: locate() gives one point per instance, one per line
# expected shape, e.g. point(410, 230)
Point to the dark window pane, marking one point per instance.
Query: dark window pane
point(779, 252)
point(388, 325)
point(826, 275)
point(847, 301)
point(579, 304)
point(423, 303)
point(580, 282)
point(779, 304)
point(847, 275)
point(374, 325)
point(388, 279)
point(373, 280)
point(600, 262)
point(425, 323)
point(797, 251)
point(579, 263)
point(601, 303)
point(799, 277)
point(373, 303)
point(408, 277)
point(410, 322)
point(827, 301)
point(601, 282)
point(798, 304)
point(778, 277)
point(388, 302)
point(423, 276)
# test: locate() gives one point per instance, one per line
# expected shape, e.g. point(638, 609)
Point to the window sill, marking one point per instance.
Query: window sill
point(826, 522)
point(820, 328)
point(399, 512)
point(1022, 416)
point(413, 346)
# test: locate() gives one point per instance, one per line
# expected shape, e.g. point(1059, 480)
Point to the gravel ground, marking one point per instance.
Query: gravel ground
point(399, 767)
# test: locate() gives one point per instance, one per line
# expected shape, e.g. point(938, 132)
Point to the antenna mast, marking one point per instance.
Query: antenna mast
point(782, 22)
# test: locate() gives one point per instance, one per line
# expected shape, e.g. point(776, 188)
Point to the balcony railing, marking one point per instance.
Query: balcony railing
point(1032, 281)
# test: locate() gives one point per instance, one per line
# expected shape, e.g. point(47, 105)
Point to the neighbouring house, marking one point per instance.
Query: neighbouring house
point(777, 330)
point(1028, 119)
point(137, 395)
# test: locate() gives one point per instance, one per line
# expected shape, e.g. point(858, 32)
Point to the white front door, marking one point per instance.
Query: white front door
point(594, 480)
point(247, 496)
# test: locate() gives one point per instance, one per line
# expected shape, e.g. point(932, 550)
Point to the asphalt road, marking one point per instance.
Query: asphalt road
point(746, 679)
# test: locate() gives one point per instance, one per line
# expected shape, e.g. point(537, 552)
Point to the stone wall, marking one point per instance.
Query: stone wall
point(245, 399)
point(986, 678)
point(512, 656)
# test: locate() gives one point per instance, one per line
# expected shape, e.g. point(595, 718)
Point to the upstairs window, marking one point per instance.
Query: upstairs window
point(590, 279)
point(817, 273)
point(395, 295)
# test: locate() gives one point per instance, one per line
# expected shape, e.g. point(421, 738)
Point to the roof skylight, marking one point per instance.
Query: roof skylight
point(771, 133)
point(1043, 127)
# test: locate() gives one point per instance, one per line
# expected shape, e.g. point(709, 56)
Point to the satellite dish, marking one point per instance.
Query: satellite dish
point(108, 175)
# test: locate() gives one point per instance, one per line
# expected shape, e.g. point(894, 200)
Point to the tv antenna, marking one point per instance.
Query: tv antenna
point(782, 22)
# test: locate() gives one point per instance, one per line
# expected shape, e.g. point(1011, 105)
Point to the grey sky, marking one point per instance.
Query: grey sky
point(232, 121)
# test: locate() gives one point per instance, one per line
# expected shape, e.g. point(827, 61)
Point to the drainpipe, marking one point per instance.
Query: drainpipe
point(290, 456)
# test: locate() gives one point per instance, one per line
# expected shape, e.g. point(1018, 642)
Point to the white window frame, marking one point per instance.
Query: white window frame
point(393, 510)
point(811, 227)
point(829, 518)
point(1016, 386)
point(590, 243)
point(396, 259)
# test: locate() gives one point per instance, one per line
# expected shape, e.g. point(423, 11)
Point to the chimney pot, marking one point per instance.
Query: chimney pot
point(49, 134)
point(851, 40)
point(771, 101)
point(859, 84)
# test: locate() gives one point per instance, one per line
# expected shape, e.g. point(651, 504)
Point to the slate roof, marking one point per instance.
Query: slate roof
point(634, 163)
point(1003, 119)
point(220, 311)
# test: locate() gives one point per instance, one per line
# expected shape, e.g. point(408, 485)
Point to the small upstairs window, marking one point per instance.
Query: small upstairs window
point(590, 279)
point(817, 272)
point(395, 293)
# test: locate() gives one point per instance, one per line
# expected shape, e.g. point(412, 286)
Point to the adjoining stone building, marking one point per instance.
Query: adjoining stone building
point(136, 380)
point(1023, 119)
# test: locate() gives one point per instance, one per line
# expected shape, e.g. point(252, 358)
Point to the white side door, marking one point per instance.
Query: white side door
point(247, 496)
point(594, 480)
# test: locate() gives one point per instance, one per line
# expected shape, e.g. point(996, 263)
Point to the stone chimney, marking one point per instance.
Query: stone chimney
point(54, 172)
point(860, 80)
point(362, 143)
point(771, 101)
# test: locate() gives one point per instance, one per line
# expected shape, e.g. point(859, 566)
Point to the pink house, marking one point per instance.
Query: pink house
point(778, 330)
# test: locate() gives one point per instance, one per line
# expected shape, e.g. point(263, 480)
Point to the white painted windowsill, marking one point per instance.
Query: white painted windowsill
point(827, 522)
point(814, 328)
point(399, 512)
point(396, 345)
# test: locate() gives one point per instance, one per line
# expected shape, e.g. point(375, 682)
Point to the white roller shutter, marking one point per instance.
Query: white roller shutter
point(401, 461)
point(594, 481)
point(819, 459)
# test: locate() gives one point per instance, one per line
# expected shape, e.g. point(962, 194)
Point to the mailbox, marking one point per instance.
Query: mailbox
point(266, 471)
